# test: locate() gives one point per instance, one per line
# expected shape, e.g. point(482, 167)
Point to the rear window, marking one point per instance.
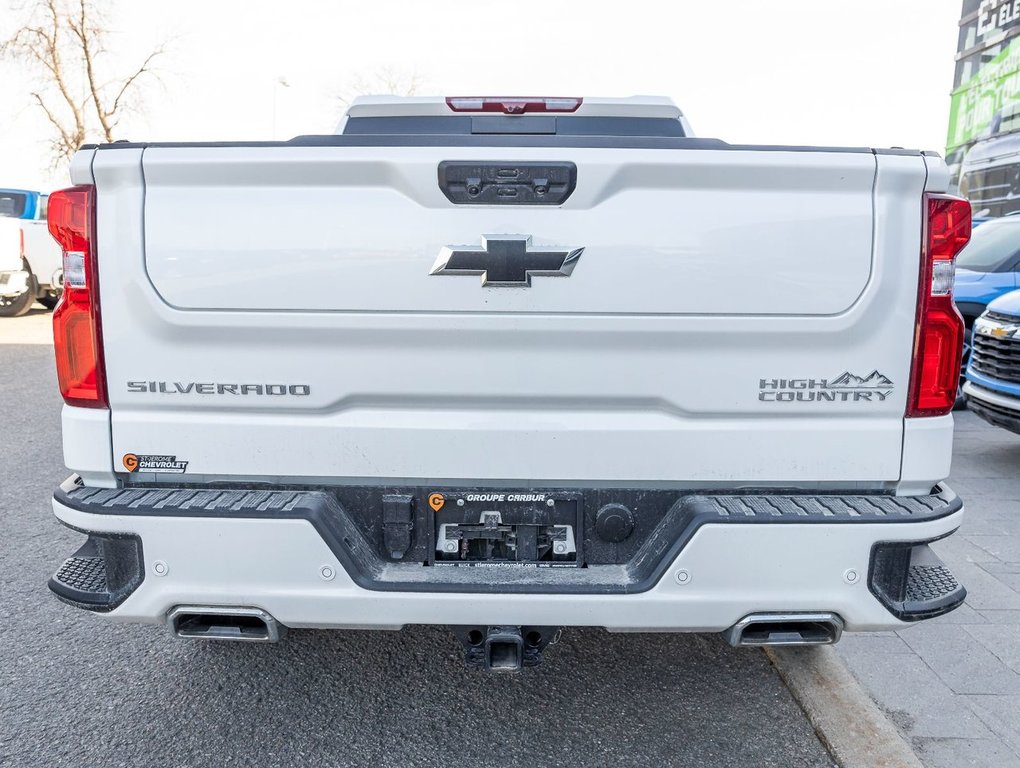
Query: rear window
point(992, 246)
point(12, 204)
point(540, 125)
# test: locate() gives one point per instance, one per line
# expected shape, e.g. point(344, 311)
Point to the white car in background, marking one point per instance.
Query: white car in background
point(30, 261)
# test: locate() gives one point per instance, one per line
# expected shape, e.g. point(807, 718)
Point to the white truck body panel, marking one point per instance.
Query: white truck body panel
point(310, 417)
point(644, 365)
point(803, 218)
point(42, 254)
point(10, 244)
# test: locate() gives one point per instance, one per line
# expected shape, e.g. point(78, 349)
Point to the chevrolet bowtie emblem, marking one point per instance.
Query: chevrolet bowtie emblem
point(506, 260)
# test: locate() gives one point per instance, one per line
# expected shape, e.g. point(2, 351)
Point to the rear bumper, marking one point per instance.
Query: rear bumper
point(14, 283)
point(853, 556)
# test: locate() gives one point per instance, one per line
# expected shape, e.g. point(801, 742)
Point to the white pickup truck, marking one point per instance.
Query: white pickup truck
point(30, 261)
point(508, 365)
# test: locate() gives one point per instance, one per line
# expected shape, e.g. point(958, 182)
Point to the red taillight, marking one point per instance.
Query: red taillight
point(77, 338)
point(938, 335)
point(513, 105)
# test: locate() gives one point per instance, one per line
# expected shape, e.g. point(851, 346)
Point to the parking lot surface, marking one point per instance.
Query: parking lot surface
point(34, 328)
point(79, 691)
point(952, 684)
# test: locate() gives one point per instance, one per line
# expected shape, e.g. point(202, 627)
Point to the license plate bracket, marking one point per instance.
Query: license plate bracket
point(507, 528)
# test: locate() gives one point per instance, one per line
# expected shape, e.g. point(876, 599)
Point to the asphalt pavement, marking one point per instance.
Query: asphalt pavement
point(76, 690)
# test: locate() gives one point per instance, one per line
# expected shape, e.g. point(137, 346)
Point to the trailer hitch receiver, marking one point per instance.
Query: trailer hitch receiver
point(505, 648)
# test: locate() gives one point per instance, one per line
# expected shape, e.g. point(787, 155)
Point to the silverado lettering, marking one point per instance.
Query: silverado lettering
point(179, 388)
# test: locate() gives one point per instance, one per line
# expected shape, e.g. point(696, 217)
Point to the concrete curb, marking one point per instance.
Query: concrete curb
point(850, 725)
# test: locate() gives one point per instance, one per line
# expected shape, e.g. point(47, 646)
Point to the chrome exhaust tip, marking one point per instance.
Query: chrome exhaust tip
point(212, 622)
point(785, 629)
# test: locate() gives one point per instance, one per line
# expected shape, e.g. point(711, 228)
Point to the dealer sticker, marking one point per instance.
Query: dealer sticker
point(139, 462)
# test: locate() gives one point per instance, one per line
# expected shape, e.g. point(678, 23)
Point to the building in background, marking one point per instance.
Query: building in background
point(983, 147)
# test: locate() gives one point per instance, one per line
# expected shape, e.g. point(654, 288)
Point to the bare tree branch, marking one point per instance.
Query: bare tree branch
point(68, 140)
point(126, 84)
point(384, 81)
point(78, 25)
point(64, 41)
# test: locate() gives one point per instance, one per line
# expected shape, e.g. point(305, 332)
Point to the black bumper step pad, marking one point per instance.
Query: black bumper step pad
point(83, 574)
point(927, 583)
point(912, 582)
point(101, 574)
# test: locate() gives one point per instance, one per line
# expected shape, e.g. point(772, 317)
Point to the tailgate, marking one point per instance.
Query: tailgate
point(357, 229)
point(729, 317)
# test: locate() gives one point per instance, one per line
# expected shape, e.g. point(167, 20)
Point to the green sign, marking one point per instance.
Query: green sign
point(975, 102)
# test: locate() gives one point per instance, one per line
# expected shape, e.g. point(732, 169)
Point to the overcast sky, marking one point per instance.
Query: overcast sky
point(867, 72)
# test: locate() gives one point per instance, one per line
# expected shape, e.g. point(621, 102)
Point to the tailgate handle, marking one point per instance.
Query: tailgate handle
point(473, 183)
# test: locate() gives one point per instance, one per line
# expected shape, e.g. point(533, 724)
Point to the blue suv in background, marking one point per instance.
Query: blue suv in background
point(993, 375)
point(988, 267)
point(985, 270)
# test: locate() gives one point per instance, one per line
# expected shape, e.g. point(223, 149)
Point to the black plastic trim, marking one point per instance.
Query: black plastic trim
point(360, 558)
point(994, 414)
point(463, 125)
point(970, 309)
point(502, 182)
point(1003, 317)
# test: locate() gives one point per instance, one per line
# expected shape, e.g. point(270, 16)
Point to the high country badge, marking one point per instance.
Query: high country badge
point(845, 388)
